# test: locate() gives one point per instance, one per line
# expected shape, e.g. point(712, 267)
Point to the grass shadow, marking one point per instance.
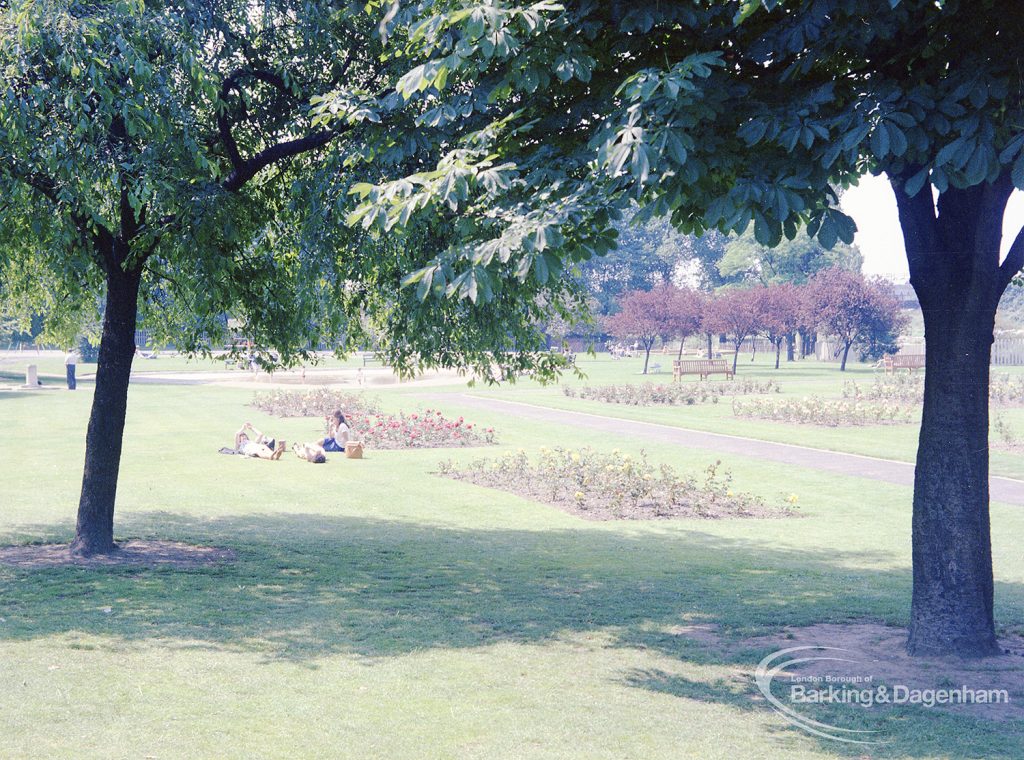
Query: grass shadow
point(308, 586)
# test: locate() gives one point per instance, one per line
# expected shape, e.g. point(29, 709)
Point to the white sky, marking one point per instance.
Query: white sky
point(873, 207)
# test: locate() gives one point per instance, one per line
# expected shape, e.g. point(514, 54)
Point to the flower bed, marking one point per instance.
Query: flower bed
point(426, 430)
point(815, 410)
point(376, 429)
point(1005, 390)
point(613, 486)
point(314, 403)
point(684, 394)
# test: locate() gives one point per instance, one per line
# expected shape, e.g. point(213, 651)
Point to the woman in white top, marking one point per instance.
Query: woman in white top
point(338, 433)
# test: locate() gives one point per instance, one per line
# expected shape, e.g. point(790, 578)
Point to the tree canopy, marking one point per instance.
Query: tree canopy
point(792, 261)
point(732, 116)
point(856, 311)
point(175, 161)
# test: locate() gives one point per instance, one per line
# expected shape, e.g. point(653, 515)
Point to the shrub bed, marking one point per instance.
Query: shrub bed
point(613, 486)
point(683, 394)
point(315, 403)
point(1005, 390)
point(1002, 436)
point(376, 429)
point(815, 410)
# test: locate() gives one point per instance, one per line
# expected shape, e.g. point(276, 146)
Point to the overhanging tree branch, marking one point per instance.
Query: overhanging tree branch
point(918, 220)
point(232, 82)
point(249, 168)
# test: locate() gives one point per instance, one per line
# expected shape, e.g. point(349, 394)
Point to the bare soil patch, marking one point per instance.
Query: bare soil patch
point(876, 655)
point(135, 553)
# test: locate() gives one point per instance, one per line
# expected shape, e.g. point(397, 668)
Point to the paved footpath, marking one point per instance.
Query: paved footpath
point(1007, 490)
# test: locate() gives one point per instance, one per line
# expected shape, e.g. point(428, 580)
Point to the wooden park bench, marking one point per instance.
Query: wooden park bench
point(702, 367)
point(909, 362)
point(370, 356)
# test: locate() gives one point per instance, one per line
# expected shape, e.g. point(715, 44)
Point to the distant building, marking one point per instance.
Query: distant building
point(906, 295)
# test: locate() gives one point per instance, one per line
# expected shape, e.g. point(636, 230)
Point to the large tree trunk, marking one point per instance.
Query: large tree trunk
point(846, 353)
point(778, 351)
point(790, 339)
point(647, 356)
point(951, 611)
point(710, 351)
point(94, 533)
point(736, 356)
point(953, 253)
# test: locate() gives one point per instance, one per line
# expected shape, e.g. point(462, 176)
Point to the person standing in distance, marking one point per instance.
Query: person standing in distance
point(70, 360)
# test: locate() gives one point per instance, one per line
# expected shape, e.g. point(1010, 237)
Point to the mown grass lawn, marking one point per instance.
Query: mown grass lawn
point(375, 610)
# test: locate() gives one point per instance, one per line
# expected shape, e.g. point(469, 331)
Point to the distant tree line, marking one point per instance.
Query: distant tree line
point(857, 312)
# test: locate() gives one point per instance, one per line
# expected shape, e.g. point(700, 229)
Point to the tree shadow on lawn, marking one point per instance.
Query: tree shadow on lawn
point(309, 586)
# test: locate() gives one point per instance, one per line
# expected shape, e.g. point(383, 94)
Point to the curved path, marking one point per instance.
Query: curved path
point(1007, 490)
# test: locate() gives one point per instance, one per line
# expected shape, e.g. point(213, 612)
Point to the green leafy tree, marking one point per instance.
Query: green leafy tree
point(164, 160)
point(739, 115)
point(645, 256)
point(791, 261)
point(143, 149)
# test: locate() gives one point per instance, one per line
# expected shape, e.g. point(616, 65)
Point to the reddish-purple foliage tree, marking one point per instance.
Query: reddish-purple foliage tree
point(643, 317)
point(782, 309)
point(856, 311)
point(734, 312)
point(684, 310)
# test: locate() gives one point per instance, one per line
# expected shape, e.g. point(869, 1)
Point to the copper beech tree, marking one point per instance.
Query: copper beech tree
point(782, 309)
point(642, 317)
point(856, 312)
point(735, 313)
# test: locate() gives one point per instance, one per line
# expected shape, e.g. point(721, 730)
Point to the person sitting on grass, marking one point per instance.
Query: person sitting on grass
point(311, 452)
point(338, 432)
point(251, 442)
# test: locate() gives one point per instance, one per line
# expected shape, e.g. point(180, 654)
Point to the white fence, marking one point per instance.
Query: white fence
point(1006, 352)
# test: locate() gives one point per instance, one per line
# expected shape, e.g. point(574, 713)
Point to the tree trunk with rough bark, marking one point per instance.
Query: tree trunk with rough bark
point(846, 353)
point(952, 555)
point(790, 340)
point(778, 352)
point(94, 532)
point(953, 249)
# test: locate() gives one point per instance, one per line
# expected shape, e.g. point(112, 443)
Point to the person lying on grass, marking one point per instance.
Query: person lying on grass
point(338, 432)
point(251, 442)
point(311, 452)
